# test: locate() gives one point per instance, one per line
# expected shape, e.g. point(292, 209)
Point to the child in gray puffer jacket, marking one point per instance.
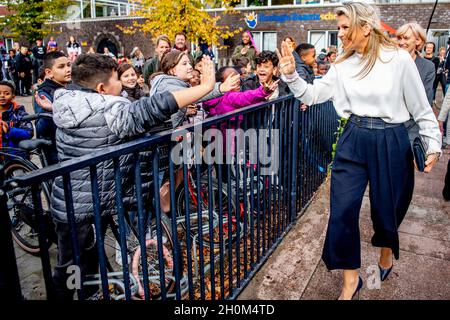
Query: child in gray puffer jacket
point(91, 115)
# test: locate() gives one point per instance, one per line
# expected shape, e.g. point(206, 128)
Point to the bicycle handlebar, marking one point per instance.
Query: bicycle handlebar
point(36, 116)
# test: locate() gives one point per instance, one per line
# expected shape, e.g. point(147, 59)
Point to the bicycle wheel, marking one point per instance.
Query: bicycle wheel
point(153, 266)
point(205, 207)
point(24, 223)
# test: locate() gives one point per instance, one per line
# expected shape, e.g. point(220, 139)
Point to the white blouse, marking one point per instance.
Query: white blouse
point(392, 91)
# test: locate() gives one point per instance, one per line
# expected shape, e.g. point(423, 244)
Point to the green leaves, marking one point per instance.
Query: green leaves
point(30, 17)
point(173, 16)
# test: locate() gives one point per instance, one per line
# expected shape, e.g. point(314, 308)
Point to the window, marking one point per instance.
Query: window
point(265, 40)
point(281, 2)
point(9, 43)
point(323, 39)
point(307, 1)
point(439, 37)
point(257, 3)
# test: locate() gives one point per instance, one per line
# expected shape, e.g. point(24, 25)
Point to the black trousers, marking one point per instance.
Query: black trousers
point(25, 84)
point(88, 257)
point(440, 79)
point(383, 158)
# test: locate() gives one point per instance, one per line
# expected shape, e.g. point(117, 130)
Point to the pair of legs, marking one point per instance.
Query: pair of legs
point(383, 159)
point(442, 80)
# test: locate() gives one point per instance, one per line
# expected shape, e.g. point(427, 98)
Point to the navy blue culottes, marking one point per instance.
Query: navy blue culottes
point(383, 158)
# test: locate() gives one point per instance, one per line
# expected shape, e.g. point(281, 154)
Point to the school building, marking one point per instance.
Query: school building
point(95, 23)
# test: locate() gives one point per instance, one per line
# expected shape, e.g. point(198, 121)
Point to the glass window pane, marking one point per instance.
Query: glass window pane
point(318, 40)
point(257, 3)
point(270, 41)
point(238, 3)
point(9, 43)
point(258, 40)
point(332, 38)
point(439, 37)
point(123, 9)
point(281, 2)
point(86, 9)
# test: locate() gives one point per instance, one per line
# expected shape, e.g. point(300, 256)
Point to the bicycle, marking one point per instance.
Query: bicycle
point(134, 254)
point(24, 224)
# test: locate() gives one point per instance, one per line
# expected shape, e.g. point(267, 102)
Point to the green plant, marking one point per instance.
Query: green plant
point(340, 129)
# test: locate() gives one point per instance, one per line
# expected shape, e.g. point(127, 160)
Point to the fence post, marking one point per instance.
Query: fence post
point(293, 199)
point(9, 275)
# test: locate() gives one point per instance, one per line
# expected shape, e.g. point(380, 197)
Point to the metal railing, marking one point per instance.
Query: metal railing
point(223, 220)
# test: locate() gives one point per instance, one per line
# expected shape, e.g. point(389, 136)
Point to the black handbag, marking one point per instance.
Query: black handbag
point(417, 144)
point(419, 153)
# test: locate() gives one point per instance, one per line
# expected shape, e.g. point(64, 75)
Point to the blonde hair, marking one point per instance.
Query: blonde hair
point(361, 14)
point(163, 37)
point(417, 31)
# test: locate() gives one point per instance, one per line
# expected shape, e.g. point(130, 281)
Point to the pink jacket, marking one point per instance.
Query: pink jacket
point(231, 101)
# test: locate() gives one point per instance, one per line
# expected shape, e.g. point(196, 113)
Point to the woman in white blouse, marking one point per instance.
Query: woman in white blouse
point(377, 86)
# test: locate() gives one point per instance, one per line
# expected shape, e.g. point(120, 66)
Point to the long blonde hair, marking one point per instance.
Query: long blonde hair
point(361, 14)
point(417, 31)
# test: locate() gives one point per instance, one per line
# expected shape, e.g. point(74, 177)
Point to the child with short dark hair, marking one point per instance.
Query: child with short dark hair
point(12, 128)
point(266, 68)
point(90, 115)
point(57, 71)
point(244, 65)
point(305, 57)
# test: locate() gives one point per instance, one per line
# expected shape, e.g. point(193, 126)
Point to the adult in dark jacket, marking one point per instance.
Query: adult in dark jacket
point(24, 67)
point(246, 49)
point(266, 66)
point(39, 51)
point(153, 65)
point(427, 74)
point(305, 56)
point(412, 38)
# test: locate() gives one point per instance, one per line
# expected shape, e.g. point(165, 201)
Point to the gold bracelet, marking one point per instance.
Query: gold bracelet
point(438, 155)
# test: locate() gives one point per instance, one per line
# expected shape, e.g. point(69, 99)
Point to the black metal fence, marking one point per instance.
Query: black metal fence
point(185, 229)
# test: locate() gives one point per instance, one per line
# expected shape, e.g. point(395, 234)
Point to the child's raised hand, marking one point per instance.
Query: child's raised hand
point(43, 102)
point(287, 61)
point(269, 88)
point(4, 126)
point(191, 110)
point(232, 83)
point(208, 76)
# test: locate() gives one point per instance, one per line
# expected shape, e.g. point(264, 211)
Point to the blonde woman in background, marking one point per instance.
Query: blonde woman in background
point(412, 38)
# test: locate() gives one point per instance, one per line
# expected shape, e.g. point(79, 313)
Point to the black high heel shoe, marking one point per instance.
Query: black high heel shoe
point(384, 273)
point(358, 288)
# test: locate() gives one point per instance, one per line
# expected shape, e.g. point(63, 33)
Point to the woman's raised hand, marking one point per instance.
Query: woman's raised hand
point(208, 77)
point(287, 61)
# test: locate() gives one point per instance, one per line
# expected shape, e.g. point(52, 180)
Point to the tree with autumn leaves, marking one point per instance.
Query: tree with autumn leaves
point(188, 16)
point(30, 18)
